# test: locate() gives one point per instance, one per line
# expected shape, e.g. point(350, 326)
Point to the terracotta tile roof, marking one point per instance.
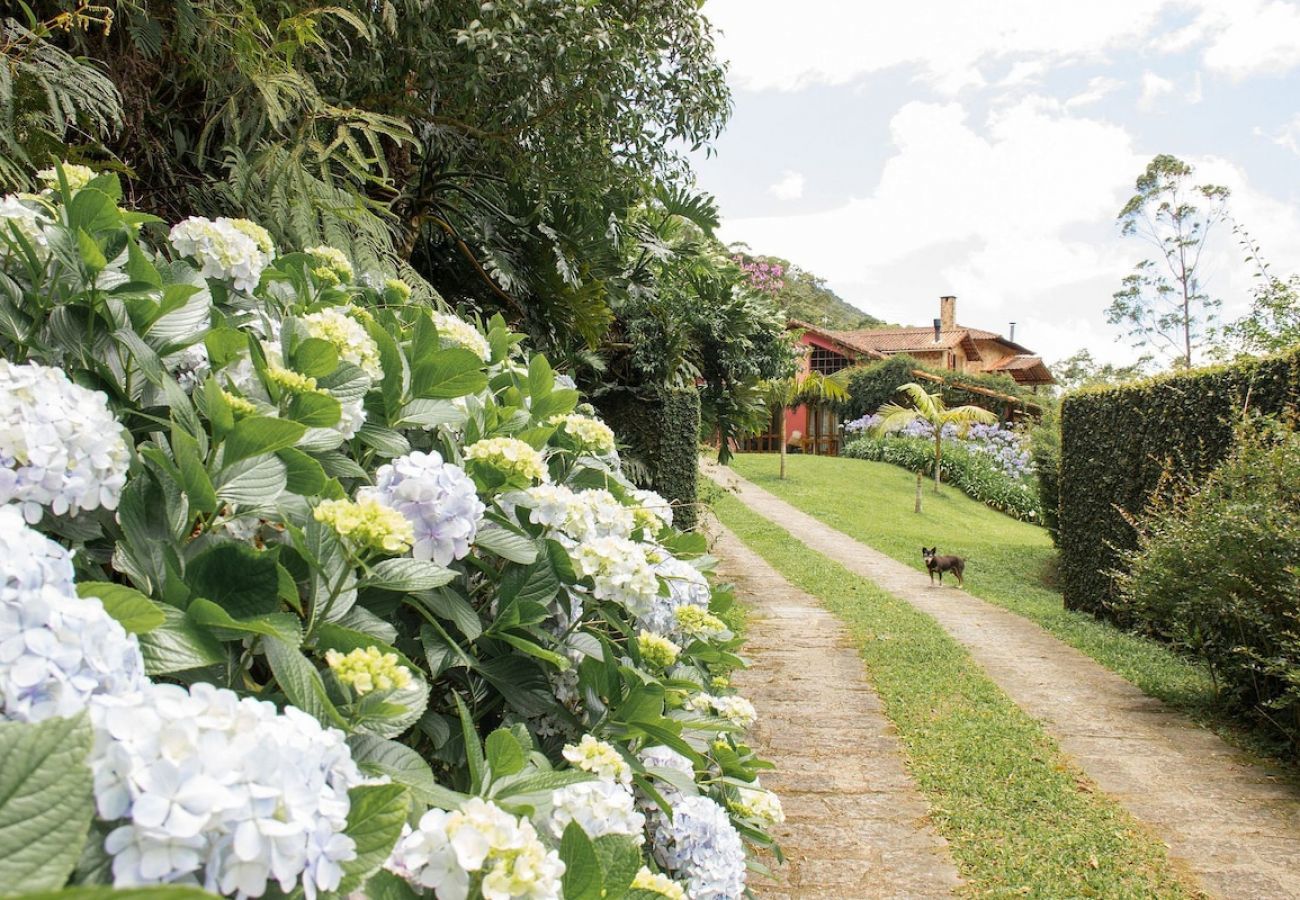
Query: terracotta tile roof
point(1025, 368)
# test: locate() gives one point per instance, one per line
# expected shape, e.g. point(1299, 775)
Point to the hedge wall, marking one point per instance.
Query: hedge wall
point(662, 431)
point(1120, 445)
point(876, 383)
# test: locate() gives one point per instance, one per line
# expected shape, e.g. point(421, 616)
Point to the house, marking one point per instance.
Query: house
point(959, 349)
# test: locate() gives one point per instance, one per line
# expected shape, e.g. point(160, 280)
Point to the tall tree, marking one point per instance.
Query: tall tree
point(1163, 303)
point(931, 409)
point(1082, 370)
point(1273, 322)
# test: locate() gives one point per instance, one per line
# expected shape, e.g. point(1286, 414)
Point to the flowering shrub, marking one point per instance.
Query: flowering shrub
point(308, 588)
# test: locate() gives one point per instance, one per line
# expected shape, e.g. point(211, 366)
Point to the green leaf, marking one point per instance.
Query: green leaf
point(448, 374)
point(379, 756)
point(505, 755)
point(304, 475)
point(46, 801)
point(207, 614)
point(132, 609)
point(315, 358)
point(217, 408)
point(315, 410)
point(224, 345)
point(449, 605)
point(506, 544)
point(194, 474)
point(92, 210)
point(385, 441)
point(256, 435)
point(238, 578)
point(301, 682)
point(91, 255)
point(407, 575)
point(473, 749)
point(620, 860)
point(582, 872)
point(541, 378)
point(253, 482)
point(375, 821)
point(535, 584)
point(534, 650)
point(557, 403)
point(179, 645)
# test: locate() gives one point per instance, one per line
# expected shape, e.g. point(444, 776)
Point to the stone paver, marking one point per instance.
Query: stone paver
point(855, 826)
point(1233, 824)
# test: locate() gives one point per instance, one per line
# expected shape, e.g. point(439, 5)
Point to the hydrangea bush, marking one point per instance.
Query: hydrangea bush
point(322, 592)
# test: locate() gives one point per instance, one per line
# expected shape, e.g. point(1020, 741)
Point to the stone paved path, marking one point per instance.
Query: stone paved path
point(1234, 825)
point(855, 824)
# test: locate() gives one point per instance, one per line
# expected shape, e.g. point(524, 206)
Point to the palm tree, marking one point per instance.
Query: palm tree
point(797, 389)
point(929, 408)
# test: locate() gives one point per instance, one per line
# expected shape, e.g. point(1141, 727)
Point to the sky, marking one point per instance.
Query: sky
point(904, 151)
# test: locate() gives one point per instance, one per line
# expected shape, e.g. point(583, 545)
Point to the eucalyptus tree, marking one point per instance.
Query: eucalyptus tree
point(1163, 302)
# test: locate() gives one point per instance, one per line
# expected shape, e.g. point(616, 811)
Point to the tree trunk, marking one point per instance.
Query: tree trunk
point(938, 455)
point(782, 416)
point(919, 477)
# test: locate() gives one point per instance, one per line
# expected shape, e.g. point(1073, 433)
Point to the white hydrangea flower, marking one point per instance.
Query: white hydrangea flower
point(657, 883)
point(599, 808)
point(333, 263)
point(759, 804)
point(57, 650)
point(438, 498)
point(590, 434)
point(59, 444)
point(700, 846)
point(30, 222)
point(599, 758)
point(652, 511)
point(352, 415)
point(578, 515)
point(511, 456)
point(77, 176)
point(661, 757)
point(687, 586)
point(479, 837)
point(222, 791)
point(733, 708)
point(454, 331)
point(620, 572)
point(349, 337)
point(189, 366)
point(234, 250)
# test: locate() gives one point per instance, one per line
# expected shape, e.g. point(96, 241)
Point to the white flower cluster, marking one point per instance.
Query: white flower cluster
point(599, 758)
point(456, 332)
point(578, 515)
point(687, 586)
point(511, 456)
point(59, 445)
point(735, 709)
point(657, 883)
point(438, 499)
point(76, 176)
point(479, 837)
point(223, 790)
point(760, 805)
point(234, 250)
point(661, 757)
point(652, 511)
point(189, 366)
point(590, 434)
point(620, 572)
point(56, 650)
point(700, 846)
point(599, 807)
point(14, 213)
point(348, 337)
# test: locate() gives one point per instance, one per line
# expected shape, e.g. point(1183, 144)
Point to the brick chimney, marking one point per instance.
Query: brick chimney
point(948, 313)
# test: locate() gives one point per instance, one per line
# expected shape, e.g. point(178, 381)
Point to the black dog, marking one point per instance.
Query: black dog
point(954, 564)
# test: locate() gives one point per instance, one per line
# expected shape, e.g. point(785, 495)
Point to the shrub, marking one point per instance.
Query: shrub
point(321, 535)
point(662, 430)
point(977, 474)
point(1045, 454)
point(1215, 571)
point(876, 383)
point(1121, 446)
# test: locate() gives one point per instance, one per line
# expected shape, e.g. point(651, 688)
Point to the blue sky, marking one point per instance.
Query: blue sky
point(905, 151)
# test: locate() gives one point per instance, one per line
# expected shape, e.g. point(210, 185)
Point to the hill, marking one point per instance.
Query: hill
point(805, 296)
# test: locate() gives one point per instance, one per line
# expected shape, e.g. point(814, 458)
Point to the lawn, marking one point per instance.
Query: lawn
point(1020, 818)
point(1009, 563)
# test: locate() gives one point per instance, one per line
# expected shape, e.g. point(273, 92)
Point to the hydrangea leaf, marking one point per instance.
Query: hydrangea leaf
point(301, 682)
point(448, 374)
point(375, 822)
point(240, 579)
point(405, 575)
point(46, 801)
point(256, 435)
point(132, 609)
point(582, 871)
point(508, 545)
point(505, 755)
point(304, 475)
point(179, 645)
point(620, 860)
point(379, 756)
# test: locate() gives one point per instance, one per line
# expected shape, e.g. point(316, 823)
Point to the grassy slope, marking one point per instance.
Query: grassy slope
point(1008, 563)
point(1020, 820)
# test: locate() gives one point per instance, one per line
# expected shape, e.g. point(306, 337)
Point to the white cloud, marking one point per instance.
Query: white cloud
point(1153, 88)
point(1098, 89)
point(1251, 38)
point(1287, 136)
point(789, 187)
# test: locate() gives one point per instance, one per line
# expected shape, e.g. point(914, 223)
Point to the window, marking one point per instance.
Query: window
point(827, 362)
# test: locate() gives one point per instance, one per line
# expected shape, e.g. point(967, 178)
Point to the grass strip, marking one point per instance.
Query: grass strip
point(1020, 819)
point(1009, 563)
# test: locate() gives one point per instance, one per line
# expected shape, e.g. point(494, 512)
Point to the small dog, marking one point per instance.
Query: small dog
point(954, 564)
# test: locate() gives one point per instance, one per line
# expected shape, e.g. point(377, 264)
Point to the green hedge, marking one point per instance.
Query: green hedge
point(1121, 445)
point(973, 473)
point(1045, 448)
point(662, 431)
point(874, 384)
